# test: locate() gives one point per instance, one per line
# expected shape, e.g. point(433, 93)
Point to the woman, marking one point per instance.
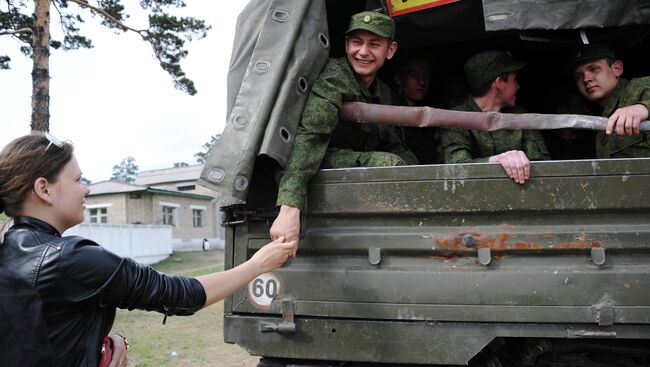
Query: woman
point(80, 283)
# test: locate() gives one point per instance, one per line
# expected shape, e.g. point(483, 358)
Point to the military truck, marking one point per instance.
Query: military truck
point(437, 264)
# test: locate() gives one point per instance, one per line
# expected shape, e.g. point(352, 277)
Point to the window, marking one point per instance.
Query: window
point(168, 215)
point(98, 215)
point(197, 218)
point(186, 188)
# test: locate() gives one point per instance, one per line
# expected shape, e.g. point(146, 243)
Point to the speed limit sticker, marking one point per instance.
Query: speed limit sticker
point(263, 289)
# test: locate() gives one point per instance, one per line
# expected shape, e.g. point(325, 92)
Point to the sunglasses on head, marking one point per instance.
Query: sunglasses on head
point(53, 140)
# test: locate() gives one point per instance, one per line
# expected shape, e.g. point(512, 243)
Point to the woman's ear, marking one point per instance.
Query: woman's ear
point(41, 189)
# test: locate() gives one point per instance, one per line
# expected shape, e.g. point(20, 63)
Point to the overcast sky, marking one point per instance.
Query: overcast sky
point(114, 100)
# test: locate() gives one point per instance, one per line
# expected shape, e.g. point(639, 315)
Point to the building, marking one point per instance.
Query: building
point(165, 196)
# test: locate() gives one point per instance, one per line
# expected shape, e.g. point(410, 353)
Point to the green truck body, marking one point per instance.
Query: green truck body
point(432, 264)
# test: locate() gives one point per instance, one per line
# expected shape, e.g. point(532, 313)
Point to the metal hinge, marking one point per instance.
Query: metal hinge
point(287, 325)
point(230, 219)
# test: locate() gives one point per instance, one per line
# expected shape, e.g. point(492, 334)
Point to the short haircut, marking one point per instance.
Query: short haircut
point(482, 89)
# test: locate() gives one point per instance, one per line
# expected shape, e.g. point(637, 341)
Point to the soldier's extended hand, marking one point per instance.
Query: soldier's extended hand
point(287, 225)
point(627, 120)
point(516, 164)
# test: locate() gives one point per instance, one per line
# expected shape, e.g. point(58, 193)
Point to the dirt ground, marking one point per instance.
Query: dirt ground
point(184, 341)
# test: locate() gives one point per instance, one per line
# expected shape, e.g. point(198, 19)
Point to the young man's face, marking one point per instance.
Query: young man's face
point(509, 89)
point(597, 79)
point(415, 81)
point(367, 52)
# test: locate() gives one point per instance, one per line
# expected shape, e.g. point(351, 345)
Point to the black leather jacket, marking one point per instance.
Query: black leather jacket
point(81, 285)
point(23, 336)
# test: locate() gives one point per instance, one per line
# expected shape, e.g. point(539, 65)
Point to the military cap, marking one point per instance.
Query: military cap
point(371, 21)
point(487, 65)
point(591, 52)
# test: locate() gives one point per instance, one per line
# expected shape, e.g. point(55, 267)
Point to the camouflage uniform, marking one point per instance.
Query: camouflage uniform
point(323, 141)
point(467, 145)
point(625, 94)
point(420, 140)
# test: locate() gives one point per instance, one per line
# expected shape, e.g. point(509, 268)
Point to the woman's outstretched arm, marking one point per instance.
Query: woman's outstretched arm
point(220, 285)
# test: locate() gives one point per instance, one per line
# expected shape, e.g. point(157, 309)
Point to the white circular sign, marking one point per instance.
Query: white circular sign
point(263, 289)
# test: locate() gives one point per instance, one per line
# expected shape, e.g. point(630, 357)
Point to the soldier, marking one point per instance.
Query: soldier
point(597, 74)
point(321, 139)
point(413, 79)
point(492, 78)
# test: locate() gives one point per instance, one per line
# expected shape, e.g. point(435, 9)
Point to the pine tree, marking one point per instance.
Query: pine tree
point(165, 33)
point(126, 171)
point(203, 155)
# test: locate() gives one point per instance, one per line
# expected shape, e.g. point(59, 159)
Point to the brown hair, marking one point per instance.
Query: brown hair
point(24, 160)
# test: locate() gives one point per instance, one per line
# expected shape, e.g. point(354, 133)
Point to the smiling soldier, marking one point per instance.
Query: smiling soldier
point(322, 141)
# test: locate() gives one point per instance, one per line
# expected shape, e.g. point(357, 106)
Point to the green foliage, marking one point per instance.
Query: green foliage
point(126, 171)
point(203, 155)
point(4, 62)
point(166, 33)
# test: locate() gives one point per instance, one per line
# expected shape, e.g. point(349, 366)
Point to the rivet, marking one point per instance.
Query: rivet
point(468, 240)
point(303, 86)
point(324, 41)
point(240, 120)
point(284, 134)
point(241, 183)
point(280, 16)
point(216, 174)
point(262, 66)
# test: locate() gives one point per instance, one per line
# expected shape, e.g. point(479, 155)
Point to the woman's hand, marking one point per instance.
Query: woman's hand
point(222, 284)
point(120, 348)
point(274, 254)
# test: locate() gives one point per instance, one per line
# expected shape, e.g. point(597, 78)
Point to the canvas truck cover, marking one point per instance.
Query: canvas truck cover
point(281, 46)
point(502, 15)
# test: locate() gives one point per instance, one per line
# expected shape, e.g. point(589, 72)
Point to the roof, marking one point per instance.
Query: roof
point(114, 187)
point(169, 175)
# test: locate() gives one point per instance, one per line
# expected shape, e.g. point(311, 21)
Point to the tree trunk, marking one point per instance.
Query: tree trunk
point(41, 69)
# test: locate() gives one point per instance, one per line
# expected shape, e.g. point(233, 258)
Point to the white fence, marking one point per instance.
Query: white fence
point(146, 244)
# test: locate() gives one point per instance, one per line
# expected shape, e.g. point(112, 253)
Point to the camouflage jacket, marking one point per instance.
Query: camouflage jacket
point(625, 94)
point(320, 129)
point(466, 145)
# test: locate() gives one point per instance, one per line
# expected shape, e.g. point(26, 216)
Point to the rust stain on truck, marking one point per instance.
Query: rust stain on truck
point(502, 242)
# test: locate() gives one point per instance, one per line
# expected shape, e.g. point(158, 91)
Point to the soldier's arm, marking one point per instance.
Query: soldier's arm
point(310, 145)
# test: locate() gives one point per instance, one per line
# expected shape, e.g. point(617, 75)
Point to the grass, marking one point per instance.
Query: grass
point(197, 340)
